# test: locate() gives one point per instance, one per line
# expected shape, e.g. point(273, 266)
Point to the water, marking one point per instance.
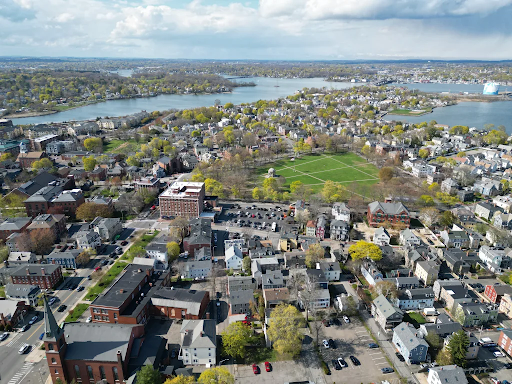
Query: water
point(265, 90)
point(473, 114)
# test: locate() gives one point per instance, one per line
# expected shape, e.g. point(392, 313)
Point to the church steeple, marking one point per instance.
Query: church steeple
point(52, 332)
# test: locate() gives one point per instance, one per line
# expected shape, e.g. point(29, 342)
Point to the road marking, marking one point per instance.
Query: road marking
point(385, 362)
point(22, 373)
point(372, 354)
point(14, 339)
point(378, 358)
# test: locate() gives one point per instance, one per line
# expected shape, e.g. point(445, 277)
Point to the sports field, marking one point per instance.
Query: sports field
point(315, 170)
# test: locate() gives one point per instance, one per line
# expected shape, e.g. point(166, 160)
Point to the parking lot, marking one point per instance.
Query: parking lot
point(352, 340)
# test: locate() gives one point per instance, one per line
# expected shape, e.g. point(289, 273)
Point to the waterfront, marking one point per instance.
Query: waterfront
point(473, 114)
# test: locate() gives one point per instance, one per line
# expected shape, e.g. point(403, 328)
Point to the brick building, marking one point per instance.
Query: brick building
point(200, 236)
point(176, 303)
point(45, 276)
point(495, 292)
point(13, 225)
point(27, 159)
point(55, 223)
point(11, 311)
point(505, 341)
point(379, 213)
point(184, 199)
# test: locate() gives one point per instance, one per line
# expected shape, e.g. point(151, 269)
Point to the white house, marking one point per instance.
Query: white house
point(234, 258)
point(407, 237)
point(158, 251)
point(107, 228)
point(418, 298)
point(88, 239)
point(381, 236)
point(331, 271)
point(492, 258)
point(195, 269)
point(448, 374)
point(341, 212)
point(504, 202)
point(198, 342)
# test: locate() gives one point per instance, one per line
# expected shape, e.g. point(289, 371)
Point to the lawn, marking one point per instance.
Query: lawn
point(405, 112)
point(138, 246)
point(414, 318)
point(77, 312)
point(315, 170)
point(121, 146)
point(106, 280)
point(2, 291)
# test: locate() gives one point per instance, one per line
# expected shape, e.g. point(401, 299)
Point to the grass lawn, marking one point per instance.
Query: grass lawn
point(121, 146)
point(414, 318)
point(409, 112)
point(2, 291)
point(77, 312)
point(316, 169)
point(106, 280)
point(138, 246)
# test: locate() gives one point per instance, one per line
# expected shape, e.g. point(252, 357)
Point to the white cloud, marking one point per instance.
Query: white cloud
point(64, 17)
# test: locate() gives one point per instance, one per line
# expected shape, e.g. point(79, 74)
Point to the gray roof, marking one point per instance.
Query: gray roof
point(70, 254)
point(21, 290)
point(387, 208)
point(95, 341)
point(35, 269)
point(158, 247)
point(450, 374)
point(407, 335)
point(316, 274)
point(241, 297)
point(15, 223)
point(442, 329)
point(381, 231)
point(179, 298)
point(429, 266)
point(385, 307)
point(199, 334)
point(236, 282)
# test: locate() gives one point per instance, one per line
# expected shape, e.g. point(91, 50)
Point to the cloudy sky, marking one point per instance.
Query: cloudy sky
point(258, 29)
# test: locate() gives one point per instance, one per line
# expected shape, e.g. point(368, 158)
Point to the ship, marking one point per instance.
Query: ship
point(491, 89)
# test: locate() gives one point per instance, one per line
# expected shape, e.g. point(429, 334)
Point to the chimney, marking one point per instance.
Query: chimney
point(43, 272)
point(120, 369)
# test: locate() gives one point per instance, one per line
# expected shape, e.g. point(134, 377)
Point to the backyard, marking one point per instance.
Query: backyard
point(121, 146)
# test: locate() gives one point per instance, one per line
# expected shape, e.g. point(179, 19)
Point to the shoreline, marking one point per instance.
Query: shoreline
point(28, 114)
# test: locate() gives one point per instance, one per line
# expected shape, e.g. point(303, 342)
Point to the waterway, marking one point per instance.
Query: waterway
point(473, 114)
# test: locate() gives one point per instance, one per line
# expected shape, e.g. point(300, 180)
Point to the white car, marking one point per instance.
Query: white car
point(24, 348)
point(326, 343)
point(33, 320)
point(347, 320)
point(4, 336)
point(89, 319)
point(498, 354)
point(52, 300)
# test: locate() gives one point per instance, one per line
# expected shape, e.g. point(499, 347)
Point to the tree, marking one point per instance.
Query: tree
point(148, 375)
point(284, 329)
point(4, 253)
point(458, 347)
point(235, 338)
point(178, 227)
point(429, 216)
point(216, 375)
point(332, 192)
point(88, 211)
point(257, 194)
point(427, 200)
point(447, 219)
point(386, 288)
point(180, 379)
point(133, 161)
point(246, 264)
point(363, 249)
point(314, 253)
point(444, 357)
point(173, 249)
point(434, 341)
point(366, 151)
point(423, 153)
point(85, 256)
point(42, 240)
point(386, 174)
point(94, 144)
point(213, 187)
point(89, 163)
point(44, 163)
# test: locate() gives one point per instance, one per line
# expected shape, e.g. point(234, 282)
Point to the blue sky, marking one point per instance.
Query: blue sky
point(258, 29)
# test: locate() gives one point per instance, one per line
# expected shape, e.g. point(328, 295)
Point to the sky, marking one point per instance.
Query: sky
point(258, 29)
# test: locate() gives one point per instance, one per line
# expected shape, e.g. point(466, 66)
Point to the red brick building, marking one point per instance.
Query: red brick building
point(87, 352)
point(183, 199)
point(395, 213)
point(505, 341)
point(45, 276)
point(176, 303)
point(11, 311)
point(200, 236)
point(495, 292)
point(55, 223)
point(14, 225)
point(27, 159)
point(128, 300)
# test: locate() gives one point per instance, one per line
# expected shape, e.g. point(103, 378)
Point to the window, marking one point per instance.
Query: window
point(116, 374)
point(89, 372)
point(115, 315)
point(77, 372)
point(102, 372)
point(54, 361)
point(56, 371)
point(50, 347)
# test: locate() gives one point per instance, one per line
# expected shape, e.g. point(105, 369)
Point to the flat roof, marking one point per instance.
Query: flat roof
point(181, 189)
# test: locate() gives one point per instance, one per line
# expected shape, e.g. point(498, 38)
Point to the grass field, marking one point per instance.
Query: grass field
point(121, 146)
point(77, 312)
point(406, 112)
point(315, 170)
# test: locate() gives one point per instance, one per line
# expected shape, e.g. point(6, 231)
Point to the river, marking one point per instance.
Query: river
point(473, 114)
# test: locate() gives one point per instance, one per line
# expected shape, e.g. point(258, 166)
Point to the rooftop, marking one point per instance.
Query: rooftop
point(179, 298)
point(183, 190)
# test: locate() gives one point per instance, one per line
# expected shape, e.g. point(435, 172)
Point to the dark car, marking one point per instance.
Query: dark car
point(332, 344)
point(41, 336)
point(508, 366)
point(25, 328)
point(173, 354)
point(336, 365)
point(124, 242)
point(387, 370)
point(80, 288)
point(62, 308)
point(400, 357)
point(354, 360)
point(373, 345)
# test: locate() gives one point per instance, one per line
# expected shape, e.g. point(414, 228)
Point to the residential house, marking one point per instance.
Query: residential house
point(339, 230)
point(27, 293)
point(503, 202)
point(192, 269)
point(448, 374)
point(505, 341)
point(88, 239)
point(321, 225)
point(506, 305)
point(11, 312)
point(449, 186)
point(487, 187)
point(310, 228)
point(13, 225)
point(460, 261)
point(341, 212)
point(408, 238)
point(411, 347)
point(200, 236)
point(158, 251)
point(240, 283)
point(275, 296)
point(491, 257)
point(261, 266)
point(371, 273)
point(381, 236)
point(415, 299)
point(385, 314)
point(331, 270)
point(66, 259)
point(395, 213)
point(19, 258)
point(234, 258)
point(46, 276)
point(316, 291)
point(496, 292)
point(107, 228)
point(178, 303)
point(407, 282)
point(455, 239)
point(240, 302)
point(427, 271)
point(485, 210)
point(476, 314)
point(199, 342)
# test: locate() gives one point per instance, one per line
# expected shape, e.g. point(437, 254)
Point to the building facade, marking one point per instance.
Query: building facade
point(182, 199)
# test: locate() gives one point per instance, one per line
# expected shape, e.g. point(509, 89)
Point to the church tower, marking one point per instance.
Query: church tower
point(54, 345)
point(23, 147)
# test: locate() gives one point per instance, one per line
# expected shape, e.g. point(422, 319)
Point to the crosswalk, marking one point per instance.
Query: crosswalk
point(24, 371)
point(17, 342)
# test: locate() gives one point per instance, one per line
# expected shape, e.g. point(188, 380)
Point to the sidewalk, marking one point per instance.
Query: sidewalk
point(383, 338)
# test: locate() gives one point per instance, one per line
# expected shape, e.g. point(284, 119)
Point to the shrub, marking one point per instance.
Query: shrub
point(8, 328)
point(325, 368)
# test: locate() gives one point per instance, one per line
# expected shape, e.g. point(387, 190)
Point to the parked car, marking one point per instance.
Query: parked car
point(354, 360)
point(4, 336)
point(268, 367)
point(173, 354)
point(52, 300)
point(495, 380)
point(347, 320)
point(497, 353)
point(332, 344)
point(326, 323)
point(24, 348)
point(255, 369)
point(325, 343)
point(62, 308)
point(387, 370)
point(124, 242)
point(33, 320)
point(400, 357)
point(89, 319)
point(373, 345)
point(80, 288)
point(342, 362)
point(508, 366)
point(25, 328)
point(336, 365)
point(41, 336)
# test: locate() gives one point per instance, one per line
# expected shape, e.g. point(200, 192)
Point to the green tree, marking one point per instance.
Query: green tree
point(332, 192)
point(423, 153)
point(314, 253)
point(434, 341)
point(214, 187)
point(426, 200)
point(93, 144)
point(216, 375)
point(461, 154)
point(235, 338)
point(447, 219)
point(246, 264)
point(133, 161)
point(4, 253)
point(363, 249)
point(458, 347)
point(148, 375)
point(173, 250)
point(180, 379)
point(44, 163)
point(89, 163)
point(284, 329)
point(386, 174)
point(295, 185)
point(257, 194)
